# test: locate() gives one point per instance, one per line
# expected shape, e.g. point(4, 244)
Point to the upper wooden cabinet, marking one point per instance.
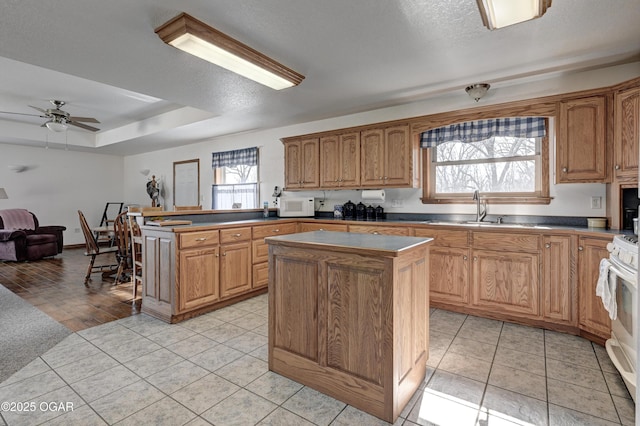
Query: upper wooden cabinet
point(388, 157)
point(627, 133)
point(581, 140)
point(340, 161)
point(302, 165)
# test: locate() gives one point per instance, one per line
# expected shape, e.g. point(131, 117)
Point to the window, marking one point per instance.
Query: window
point(235, 179)
point(503, 161)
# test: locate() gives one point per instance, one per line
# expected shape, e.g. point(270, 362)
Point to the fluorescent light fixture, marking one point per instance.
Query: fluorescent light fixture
point(56, 126)
point(3, 194)
point(197, 38)
point(502, 13)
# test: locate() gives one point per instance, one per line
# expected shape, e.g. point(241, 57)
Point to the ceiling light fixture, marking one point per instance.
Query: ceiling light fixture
point(478, 90)
point(197, 38)
point(56, 125)
point(502, 13)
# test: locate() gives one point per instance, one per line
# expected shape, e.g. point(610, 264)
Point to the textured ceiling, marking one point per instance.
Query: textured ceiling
point(105, 60)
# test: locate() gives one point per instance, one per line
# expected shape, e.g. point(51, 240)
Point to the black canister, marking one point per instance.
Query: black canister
point(371, 213)
point(361, 211)
point(349, 210)
point(379, 213)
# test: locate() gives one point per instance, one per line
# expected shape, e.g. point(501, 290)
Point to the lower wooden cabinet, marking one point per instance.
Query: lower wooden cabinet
point(199, 278)
point(594, 319)
point(335, 227)
point(380, 229)
point(235, 269)
point(559, 279)
point(449, 275)
point(260, 250)
point(506, 282)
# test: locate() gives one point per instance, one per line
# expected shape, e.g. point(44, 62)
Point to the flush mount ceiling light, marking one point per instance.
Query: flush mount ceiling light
point(197, 38)
point(478, 90)
point(502, 13)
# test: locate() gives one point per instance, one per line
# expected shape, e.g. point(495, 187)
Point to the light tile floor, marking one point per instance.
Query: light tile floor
point(213, 369)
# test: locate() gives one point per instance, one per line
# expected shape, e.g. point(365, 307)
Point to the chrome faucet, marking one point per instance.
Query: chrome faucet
point(480, 215)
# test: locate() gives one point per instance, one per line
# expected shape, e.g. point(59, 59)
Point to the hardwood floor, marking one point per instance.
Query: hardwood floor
point(55, 286)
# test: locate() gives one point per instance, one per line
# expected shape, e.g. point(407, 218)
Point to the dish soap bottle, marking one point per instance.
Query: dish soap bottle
point(265, 213)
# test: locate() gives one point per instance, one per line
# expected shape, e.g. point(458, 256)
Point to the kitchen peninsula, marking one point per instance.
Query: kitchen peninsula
point(348, 315)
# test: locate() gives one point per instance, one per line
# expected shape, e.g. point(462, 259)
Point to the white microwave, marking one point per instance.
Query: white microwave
point(296, 207)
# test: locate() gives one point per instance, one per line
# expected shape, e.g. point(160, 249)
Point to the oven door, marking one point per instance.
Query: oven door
point(622, 345)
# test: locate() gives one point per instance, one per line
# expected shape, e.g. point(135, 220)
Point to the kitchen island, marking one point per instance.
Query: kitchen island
point(348, 316)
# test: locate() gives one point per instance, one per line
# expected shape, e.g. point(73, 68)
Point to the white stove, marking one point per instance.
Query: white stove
point(623, 285)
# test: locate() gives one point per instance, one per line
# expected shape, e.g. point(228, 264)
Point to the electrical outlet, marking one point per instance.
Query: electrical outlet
point(397, 203)
point(76, 230)
point(596, 202)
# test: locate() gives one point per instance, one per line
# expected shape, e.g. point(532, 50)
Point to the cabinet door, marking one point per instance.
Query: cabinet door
point(349, 160)
point(372, 157)
point(449, 275)
point(593, 317)
point(627, 133)
point(558, 279)
point(235, 269)
point(292, 167)
point(330, 164)
point(581, 148)
point(310, 163)
point(198, 275)
point(507, 282)
point(398, 156)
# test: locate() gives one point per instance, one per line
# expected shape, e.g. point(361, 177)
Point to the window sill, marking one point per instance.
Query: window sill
point(488, 200)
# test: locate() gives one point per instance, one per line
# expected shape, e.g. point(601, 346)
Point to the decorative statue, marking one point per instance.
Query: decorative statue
point(153, 191)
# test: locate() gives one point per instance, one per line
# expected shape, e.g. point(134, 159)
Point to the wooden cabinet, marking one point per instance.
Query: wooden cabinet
point(302, 165)
point(594, 319)
point(340, 161)
point(627, 133)
point(335, 227)
point(235, 268)
point(581, 141)
point(558, 279)
point(448, 266)
point(199, 274)
point(388, 157)
point(380, 229)
point(260, 250)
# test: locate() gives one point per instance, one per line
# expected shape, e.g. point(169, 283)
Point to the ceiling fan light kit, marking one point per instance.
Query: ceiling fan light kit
point(477, 90)
point(199, 39)
point(56, 126)
point(502, 13)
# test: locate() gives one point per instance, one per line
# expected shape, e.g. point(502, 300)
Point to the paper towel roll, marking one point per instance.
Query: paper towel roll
point(373, 195)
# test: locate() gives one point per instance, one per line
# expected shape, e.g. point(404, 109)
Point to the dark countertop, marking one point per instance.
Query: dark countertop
point(388, 244)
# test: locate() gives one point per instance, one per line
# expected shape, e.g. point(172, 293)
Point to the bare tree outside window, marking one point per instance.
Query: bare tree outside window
point(496, 165)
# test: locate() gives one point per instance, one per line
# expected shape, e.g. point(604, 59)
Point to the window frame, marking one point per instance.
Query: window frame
point(218, 175)
point(541, 196)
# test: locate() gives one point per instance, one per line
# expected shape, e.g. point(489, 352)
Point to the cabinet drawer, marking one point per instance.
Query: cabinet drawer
point(384, 230)
point(335, 227)
point(233, 235)
point(444, 238)
point(198, 239)
point(263, 231)
point(505, 242)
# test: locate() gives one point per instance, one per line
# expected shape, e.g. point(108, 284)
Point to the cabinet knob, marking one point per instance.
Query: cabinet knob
point(475, 258)
point(580, 248)
point(321, 229)
point(464, 257)
point(617, 166)
point(224, 254)
point(375, 232)
point(386, 178)
point(217, 255)
point(565, 170)
point(276, 230)
point(201, 239)
point(237, 235)
point(547, 245)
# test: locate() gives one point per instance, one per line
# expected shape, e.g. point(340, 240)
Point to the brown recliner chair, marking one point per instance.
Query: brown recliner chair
point(22, 237)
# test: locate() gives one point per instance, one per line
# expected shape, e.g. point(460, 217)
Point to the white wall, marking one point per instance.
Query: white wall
point(58, 183)
point(569, 199)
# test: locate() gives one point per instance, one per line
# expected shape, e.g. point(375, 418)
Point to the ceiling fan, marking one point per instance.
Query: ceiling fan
point(59, 119)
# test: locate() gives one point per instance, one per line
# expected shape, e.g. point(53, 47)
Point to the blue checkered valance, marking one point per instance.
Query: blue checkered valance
point(238, 157)
point(474, 131)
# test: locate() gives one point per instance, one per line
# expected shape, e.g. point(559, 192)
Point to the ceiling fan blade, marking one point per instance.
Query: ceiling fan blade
point(83, 126)
point(20, 113)
point(44, 111)
point(84, 119)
